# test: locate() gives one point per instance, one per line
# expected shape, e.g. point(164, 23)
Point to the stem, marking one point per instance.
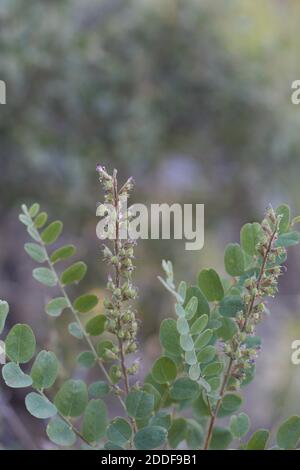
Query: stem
point(118, 284)
point(231, 361)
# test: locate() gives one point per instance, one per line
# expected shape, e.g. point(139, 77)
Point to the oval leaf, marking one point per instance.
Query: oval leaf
point(60, 433)
point(52, 232)
point(95, 326)
point(39, 406)
point(288, 434)
point(63, 253)
point(14, 377)
point(44, 370)
point(119, 431)
point(55, 307)
point(251, 235)
point(184, 389)
point(85, 303)
point(211, 285)
point(72, 398)
point(139, 404)
point(150, 437)
point(234, 260)
point(164, 370)
point(169, 337)
point(258, 440)
point(94, 421)
point(20, 343)
point(74, 273)
point(36, 252)
point(45, 276)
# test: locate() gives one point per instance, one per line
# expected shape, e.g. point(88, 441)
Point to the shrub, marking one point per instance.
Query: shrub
point(209, 349)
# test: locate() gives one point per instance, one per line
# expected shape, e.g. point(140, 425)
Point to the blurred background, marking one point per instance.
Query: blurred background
point(192, 99)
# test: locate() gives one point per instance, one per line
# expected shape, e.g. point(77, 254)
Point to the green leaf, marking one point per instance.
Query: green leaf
point(191, 308)
point(74, 273)
point(72, 398)
point(139, 404)
point(228, 329)
point(251, 236)
point(182, 290)
point(150, 437)
point(111, 446)
point(182, 326)
point(36, 252)
point(63, 253)
point(52, 232)
point(190, 357)
point(119, 431)
point(194, 434)
point(33, 210)
point(234, 260)
point(203, 305)
point(194, 371)
point(184, 389)
point(164, 370)
point(203, 339)
point(95, 326)
point(186, 342)
point(211, 285)
point(200, 407)
point(212, 369)
point(169, 337)
point(44, 370)
point(231, 402)
point(99, 389)
point(149, 388)
point(258, 440)
point(94, 421)
point(199, 325)
point(162, 418)
point(40, 220)
point(86, 359)
point(85, 303)
point(39, 406)
point(32, 231)
point(285, 221)
point(239, 425)
point(4, 309)
point(14, 377)
point(296, 220)
point(20, 343)
point(214, 383)
point(55, 307)
point(177, 432)
point(288, 239)
point(288, 434)
point(221, 438)
point(60, 433)
point(207, 354)
point(45, 276)
point(75, 330)
point(25, 219)
point(231, 305)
